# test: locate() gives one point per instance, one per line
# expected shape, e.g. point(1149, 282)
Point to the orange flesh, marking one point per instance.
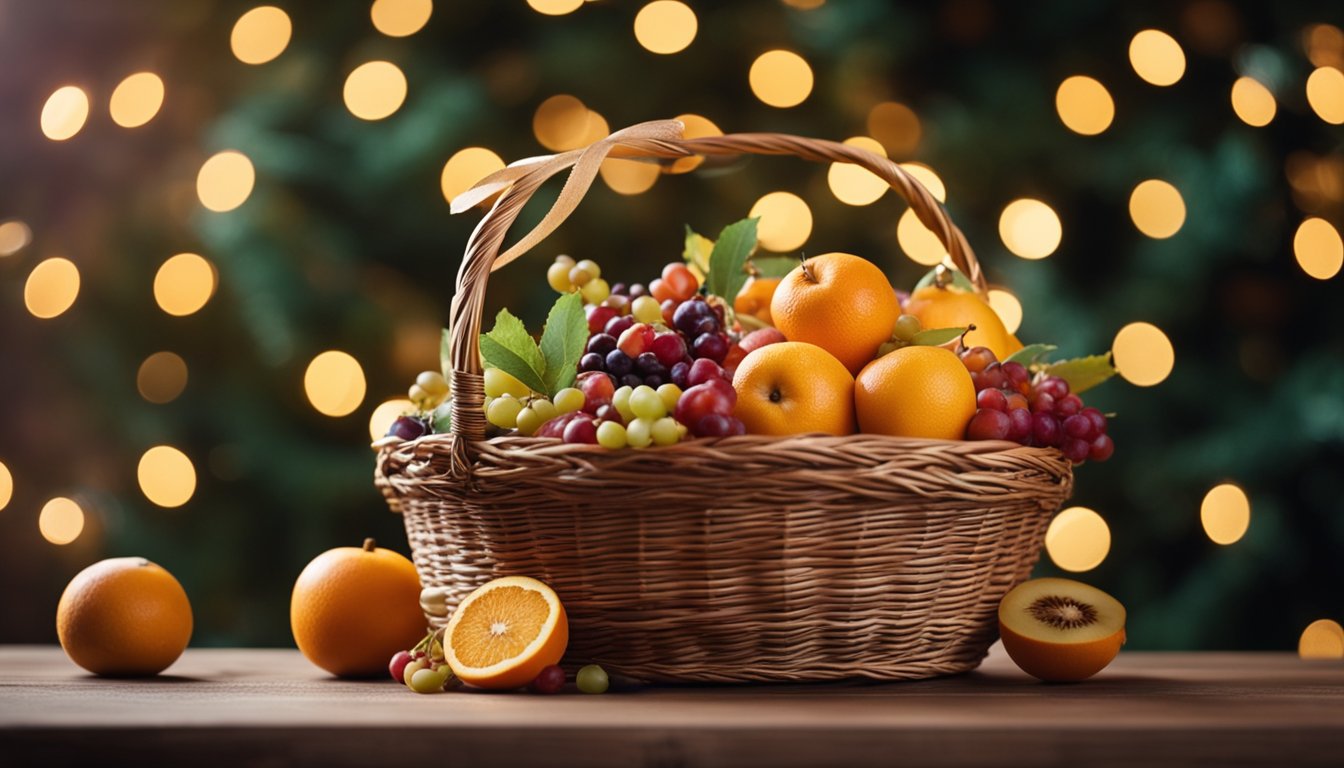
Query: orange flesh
point(499, 625)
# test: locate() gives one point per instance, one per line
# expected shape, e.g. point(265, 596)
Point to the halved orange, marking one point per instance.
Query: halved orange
point(505, 633)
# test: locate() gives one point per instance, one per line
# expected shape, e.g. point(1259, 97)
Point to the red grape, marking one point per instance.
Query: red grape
point(609, 413)
point(408, 428)
point(711, 345)
point(988, 424)
point(581, 431)
point(661, 290)
point(976, 359)
point(1101, 448)
point(597, 388)
point(619, 302)
point(617, 325)
point(1098, 420)
point(695, 317)
point(1045, 429)
point(1017, 400)
point(700, 400)
point(550, 680)
point(1017, 374)
point(713, 425)
point(733, 359)
point(1068, 405)
point(1043, 403)
point(1075, 450)
point(669, 309)
point(1053, 386)
point(1078, 426)
point(703, 370)
point(993, 377)
point(669, 347)
point(599, 316)
point(636, 339)
point(397, 667)
point(556, 426)
point(992, 399)
point(1019, 425)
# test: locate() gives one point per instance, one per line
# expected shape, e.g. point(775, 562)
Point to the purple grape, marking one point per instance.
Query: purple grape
point(711, 345)
point(713, 425)
point(647, 364)
point(655, 380)
point(637, 290)
point(618, 325)
point(618, 363)
point(550, 680)
point(608, 412)
point(591, 362)
point(631, 380)
point(1078, 426)
point(1045, 429)
point(679, 373)
point(1075, 450)
point(601, 343)
point(620, 289)
point(408, 428)
point(695, 317)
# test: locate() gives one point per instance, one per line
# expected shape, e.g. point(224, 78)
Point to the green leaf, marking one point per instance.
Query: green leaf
point(775, 266)
point(728, 260)
point(509, 348)
point(563, 341)
point(959, 280)
point(937, 337)
point(446, 355)
point(1030, 354)
point(1083, 373)
point(696, 250)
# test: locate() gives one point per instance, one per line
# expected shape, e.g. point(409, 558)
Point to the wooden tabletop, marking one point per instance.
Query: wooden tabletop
point(271, 708)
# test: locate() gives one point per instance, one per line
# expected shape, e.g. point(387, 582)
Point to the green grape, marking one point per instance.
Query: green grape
point(415, 666)
point(432, 680)
point(665, 431)
point(646, 310)
point(645, 403)
point(529, 421)
point(670, 393)
point(504, 412)
point(544, 408)
point(568, 261)
point(639, 433)
point(595, 291)
point(498, 383)
point(592, 679)
point(906, 327)
point(889, 346)
point(621, 401)
point(590, 266)
point(433, 383)
point(422, 399)
point(569, 400)
point(611, 434)
point(558, 276)
point(485, 404)
point(579, 277)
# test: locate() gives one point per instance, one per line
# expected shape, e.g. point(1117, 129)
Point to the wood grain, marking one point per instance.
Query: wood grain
point(271, 708)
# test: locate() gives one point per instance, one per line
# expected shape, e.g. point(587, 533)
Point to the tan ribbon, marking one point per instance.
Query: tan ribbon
point(585, 162)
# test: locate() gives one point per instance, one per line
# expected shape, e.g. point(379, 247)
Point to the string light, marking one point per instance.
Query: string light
point(400, 18)
point(853, 184)
point(1084, 105)
point(465, 168)
point(1030, 228)
point(1253, 102)
point(1078, 539)
point(1325, 94)
point(1157, 57)
point(167, 477)
point(334, 383)
point(14, 237)
point(561, 122)
point(1322, 639)
point(386, 413)
point(1225, 513)
point(896, 126)
point(665, 26)
point(183, 284)
point(805, 5)
point(60, 521)
point(780, 78)
point(260, 35)
point(629, 177)
point(6, 485)
point(1318, 248)
point(1143, 354)
point(1157, 209)
point(917, 241)
point(696, 126)
point(225, 181)
point(52, 288)
point(136, 100)
point(64, 113)
point(1007, 307)
point(555, 7)
point(375, 90)
point(161, 377)
point(786, 221)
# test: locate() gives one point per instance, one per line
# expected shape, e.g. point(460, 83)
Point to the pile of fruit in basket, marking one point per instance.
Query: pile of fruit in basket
point(723, 344)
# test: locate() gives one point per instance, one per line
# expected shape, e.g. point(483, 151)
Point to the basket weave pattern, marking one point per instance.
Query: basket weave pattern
point(745, 558)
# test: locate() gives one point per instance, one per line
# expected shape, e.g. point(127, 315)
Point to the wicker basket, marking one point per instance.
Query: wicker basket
point(737, 559)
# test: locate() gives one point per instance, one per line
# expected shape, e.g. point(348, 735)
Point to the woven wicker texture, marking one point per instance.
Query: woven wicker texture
point(745, 558)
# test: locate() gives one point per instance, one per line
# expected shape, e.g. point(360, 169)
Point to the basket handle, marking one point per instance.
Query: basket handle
point(661, 140)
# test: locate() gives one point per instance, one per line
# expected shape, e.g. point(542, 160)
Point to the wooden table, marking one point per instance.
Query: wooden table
point(271, 708)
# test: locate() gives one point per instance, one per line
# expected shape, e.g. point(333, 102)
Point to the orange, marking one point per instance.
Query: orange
point(754, 298)
point(938, 307)
point(1013, 345)
point(841, 303)
point(792, 387)
point(353, 608)
point(915, 392)
point(1061, 630)
point(124, 616)
point(505, 633)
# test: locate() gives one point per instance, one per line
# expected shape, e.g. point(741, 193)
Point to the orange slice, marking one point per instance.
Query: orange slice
point(505, 633)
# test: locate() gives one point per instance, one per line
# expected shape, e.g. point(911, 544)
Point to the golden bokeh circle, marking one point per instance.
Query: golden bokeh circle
point(781, 78)
point(260, 35)
point(1143, 354)
point(1078, 539)
point(167, 477)
point(786, 221)
point(1084, 105)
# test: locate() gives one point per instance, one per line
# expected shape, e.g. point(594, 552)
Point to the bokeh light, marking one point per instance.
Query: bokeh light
point(1325, 94)
point(1318, 248)
point(781, 78)
point(855, 185)
point(665, 26)
point(52, 288)
point(917, 241)
point(896, 126)
point(1030, 228)
point(555, 7)
point(1143, 354)
point(136, 100)
point(64, 113)
point(926, 177)
point(375, 90)
point(334, 383)
point(400, 18)
point(696, 126)
point(1324, 45)
point(60, 521)
point(1084, 105)
point(6, 485)
point(1007, 307)
point(1322, 639)
point(14, 237)
point(629, 177)
point(1078, 539)
point(260, 35)
point(166, 475)
point(805, 5)
point(225, 181)
point(561, 123)
point(1225, 513)
point(387, 412)
point(1157, 208)
point(161, 377)
point(466, 167)
point(1157, 57)
point(1253, 102)
point(183, 284)
point(786, 221)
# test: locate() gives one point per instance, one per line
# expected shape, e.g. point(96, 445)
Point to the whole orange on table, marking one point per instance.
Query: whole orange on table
point(915, 392)
point(792, 387)
point(839, 302)
point(124, 616)
point(354, 607)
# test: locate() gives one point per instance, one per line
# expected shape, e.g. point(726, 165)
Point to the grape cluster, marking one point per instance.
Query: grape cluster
point(422, 668)
point(1039, 411)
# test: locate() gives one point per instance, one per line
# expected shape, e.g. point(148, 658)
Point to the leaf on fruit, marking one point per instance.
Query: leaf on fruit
point(1032, 353)
point(775, 266)
point(937, 337)
point(696, 250)
point(727, 262)
point(1083, 373)
point(563, 341)
point(958, 280)
point(510, 348)
point(446, 355)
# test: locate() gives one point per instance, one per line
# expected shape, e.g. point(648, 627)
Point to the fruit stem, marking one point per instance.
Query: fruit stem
point(942, 276)
point(807, 272)
point(368, 545)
